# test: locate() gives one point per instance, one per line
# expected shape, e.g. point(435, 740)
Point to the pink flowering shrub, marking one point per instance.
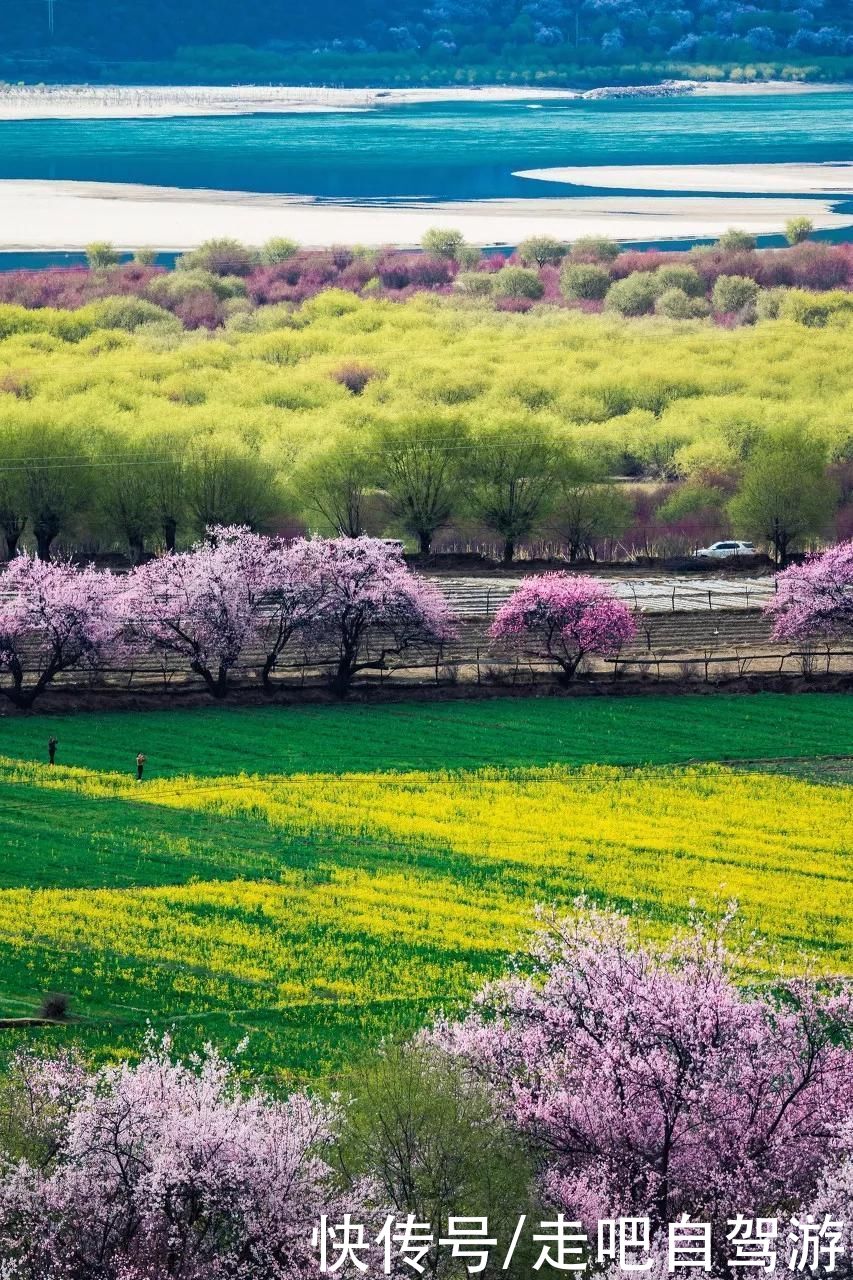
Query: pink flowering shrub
point(815, 599)
point(564, 617)
point(164, 1171)
point(652, 1086)
point(54, 617)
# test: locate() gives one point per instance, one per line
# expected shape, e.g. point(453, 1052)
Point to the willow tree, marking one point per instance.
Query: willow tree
point(55, 479)
point(333, 481)
point(418, 461)
point(786, 496)
point(511, 477)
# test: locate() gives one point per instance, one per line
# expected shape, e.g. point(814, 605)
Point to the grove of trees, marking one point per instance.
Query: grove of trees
point(439, 420)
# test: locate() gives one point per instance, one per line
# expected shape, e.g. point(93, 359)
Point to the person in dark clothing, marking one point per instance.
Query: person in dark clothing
point(52, 744)
point(140, 765)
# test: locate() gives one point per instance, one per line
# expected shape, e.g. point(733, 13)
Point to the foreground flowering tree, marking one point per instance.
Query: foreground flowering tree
point(54, 617)
point(652, 1086)
point(814, 600)
point(563, 618)
point(373, 607)
point(161, 1171)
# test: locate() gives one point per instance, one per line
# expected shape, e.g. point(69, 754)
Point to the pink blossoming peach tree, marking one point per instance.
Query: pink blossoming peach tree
point(651, 1085)
point(235, 598)
point(564, 618)
point(814, 600)
point(164, 1171)
point(53, 618)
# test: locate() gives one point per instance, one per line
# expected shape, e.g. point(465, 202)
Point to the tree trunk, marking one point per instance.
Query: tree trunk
point(137, 549)
point(170, 532)
point(509, 551)
point(44, 537)
point(217, 685)
point(342, 678)
point(12, 538)
point(425, 541)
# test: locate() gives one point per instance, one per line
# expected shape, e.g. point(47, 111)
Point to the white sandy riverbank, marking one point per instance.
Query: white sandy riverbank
point(85, 102)
point(739, 179)
point(68, 215)
point(81, 102)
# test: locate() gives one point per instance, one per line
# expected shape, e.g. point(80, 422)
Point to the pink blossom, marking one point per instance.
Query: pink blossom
point(165, 1170)
point(54, 617)
point(563, 617)
point(202, 606)
point(652, 1086)
point(815, 599)
point(372, 606)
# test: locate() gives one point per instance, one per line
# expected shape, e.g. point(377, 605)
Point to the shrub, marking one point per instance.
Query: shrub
point(222, 257)
point(101, 255)
point(733, 293)
point(768, 304)
point(595, 249)
point(633, 296)
point(228, 287)
point(518, 282)
point(677, 305)
point(814, 310)
point(354, 377)
point(541, 251)
point(469, 257)
point(145, 257)
point(55, 1006)
point(277, 250)
point(675, 276)
point(584, 280)
point(442, 242)
point(798, 229)
point(736, 240)
point(129, 313)
point(477, 284)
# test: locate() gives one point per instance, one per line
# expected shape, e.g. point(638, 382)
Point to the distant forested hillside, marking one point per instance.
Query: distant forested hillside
point(400, 41)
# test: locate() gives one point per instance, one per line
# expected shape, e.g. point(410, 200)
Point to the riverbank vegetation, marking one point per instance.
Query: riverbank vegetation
point(122, 430)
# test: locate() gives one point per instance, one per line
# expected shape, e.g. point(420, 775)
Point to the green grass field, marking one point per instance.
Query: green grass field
point(316, 877)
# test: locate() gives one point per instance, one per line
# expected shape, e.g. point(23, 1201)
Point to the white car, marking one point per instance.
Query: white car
point(725, 550)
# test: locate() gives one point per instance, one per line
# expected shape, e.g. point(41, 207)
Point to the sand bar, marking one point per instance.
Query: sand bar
point(83, 102)
point(68, 215)
point(739, 179)
point(88, 102)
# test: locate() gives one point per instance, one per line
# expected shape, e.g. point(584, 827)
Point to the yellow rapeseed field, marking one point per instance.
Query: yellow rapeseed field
point(410, 887)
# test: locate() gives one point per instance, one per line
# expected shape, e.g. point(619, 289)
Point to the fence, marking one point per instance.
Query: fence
point(476, 597)
point(669, 646)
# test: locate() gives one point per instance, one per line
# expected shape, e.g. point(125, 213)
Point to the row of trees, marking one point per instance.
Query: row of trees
point(224, 283)
point(615, 1081)
point(208, 608)
point(240, 598)
point(420, 475)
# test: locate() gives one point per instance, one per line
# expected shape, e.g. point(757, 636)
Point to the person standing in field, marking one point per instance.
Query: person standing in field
point(52, 744)
point(140, 765)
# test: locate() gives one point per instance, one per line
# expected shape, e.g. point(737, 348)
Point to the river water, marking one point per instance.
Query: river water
point(442, 151)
